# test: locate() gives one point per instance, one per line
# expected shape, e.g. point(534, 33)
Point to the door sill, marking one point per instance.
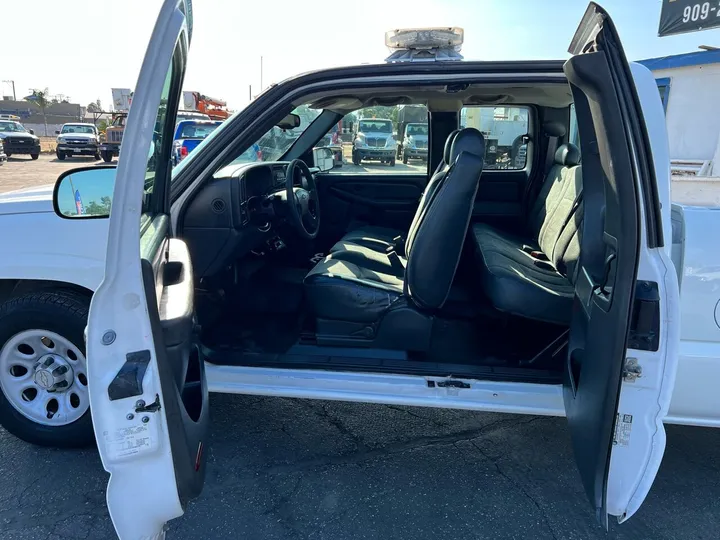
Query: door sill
point(410, 390)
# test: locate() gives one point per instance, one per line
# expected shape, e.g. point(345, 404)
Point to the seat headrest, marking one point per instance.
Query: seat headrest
point(468, 140)
point(448, 145)
point(554, 129)
point(568, 155)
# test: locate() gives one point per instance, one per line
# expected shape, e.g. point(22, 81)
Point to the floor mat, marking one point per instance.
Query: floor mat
point(266, 333)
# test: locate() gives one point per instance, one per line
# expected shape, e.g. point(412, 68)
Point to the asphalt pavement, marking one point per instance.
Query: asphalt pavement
point(295, 469)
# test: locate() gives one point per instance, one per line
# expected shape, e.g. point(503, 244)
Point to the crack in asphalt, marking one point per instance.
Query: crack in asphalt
point(517, 486)
point(365, 454)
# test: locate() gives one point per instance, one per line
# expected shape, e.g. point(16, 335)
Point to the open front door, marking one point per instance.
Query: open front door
point(622, 351)
point(148, 394)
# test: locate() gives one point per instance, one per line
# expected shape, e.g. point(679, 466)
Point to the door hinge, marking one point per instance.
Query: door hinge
point(644, 332)
point(632, 370)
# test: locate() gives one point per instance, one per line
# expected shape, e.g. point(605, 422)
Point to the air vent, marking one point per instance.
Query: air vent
point(218, 206)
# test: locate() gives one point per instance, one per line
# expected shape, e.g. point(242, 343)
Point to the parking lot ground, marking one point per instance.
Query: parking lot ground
point(293, 469)
point(21, 172)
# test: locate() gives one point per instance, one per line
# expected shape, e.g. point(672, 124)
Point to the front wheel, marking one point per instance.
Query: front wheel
point(392, 162)
point(43, 371)
point(97, 157)
point(60, 155)
point(107, 156)
point(34, 156)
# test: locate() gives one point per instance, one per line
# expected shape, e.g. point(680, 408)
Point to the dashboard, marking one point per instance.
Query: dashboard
point(229, 216)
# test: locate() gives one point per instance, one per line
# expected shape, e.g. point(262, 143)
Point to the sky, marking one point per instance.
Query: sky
point(82, 48)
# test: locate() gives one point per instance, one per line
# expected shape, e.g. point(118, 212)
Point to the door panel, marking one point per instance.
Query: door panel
point(386, 200)
point(147, 387)
point(614, 243)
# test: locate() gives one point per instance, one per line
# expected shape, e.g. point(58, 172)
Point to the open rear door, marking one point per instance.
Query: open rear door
point(148, 394)
point(622, 350)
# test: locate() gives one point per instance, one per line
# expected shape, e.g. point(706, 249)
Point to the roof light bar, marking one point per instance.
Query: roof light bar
point(424, 44)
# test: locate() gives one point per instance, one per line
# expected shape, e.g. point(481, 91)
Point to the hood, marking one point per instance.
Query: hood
point(24, 134)
point(77, 136)
point(26, 201)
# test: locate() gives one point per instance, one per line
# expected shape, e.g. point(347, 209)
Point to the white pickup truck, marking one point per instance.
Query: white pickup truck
point(551, 289)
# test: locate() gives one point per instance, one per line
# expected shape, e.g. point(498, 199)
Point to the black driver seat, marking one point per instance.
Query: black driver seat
point(357, 303)
point(381, 238)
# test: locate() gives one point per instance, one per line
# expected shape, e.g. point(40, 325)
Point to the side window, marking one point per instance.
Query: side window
point(380, 140)
point(574, 135)
point(664, 89)
point(154, 158)
point(505, 129)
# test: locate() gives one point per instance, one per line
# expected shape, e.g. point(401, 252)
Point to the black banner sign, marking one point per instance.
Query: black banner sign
point(681, 16)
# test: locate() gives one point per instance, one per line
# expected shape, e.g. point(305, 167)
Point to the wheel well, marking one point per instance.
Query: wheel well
point(16, 287)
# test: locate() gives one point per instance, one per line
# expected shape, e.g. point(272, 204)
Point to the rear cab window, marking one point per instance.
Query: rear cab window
point(506, 130)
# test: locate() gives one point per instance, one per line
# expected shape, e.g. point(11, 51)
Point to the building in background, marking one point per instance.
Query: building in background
point(689, 86)
point(31, 115)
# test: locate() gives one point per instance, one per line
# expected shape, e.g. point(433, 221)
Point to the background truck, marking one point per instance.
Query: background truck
point(110, 147)
point(416, 114)
point(504, 129)
point(216, 109)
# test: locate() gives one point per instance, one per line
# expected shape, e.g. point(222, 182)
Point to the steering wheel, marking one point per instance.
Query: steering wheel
point(302, 201)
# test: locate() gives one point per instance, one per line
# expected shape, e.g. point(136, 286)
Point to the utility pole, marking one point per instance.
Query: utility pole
point(261, 74)
point(250, 92)
point(13, 87)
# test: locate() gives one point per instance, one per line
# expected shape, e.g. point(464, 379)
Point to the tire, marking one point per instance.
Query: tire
point(405, 159)
point(97, 157)
point(34, 156)
point(392, 162)
point(107, 156)
point(63, 315)
point(8, 154)
point(60, 155)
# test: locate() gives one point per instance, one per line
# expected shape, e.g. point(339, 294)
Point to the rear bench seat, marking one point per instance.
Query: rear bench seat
point(533, 275)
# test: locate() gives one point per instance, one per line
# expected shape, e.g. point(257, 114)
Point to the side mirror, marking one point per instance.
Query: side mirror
point(32, 132)
point(57, 132)
point(323, 159)
point(84, 193)
point(291, 121)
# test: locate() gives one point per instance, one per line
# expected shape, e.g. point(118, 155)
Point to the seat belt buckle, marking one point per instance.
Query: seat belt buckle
point(399, 245)
point(395, 260)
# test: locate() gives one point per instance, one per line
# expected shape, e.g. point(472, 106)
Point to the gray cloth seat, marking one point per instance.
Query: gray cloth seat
point(382, 239)
point(361, 285)
point(533, 275)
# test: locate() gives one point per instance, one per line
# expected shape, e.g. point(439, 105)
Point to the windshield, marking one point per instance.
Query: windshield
point(275, 142)
point(78, 129)
point(417, 129)
point(197, 131)
point(12, 126)
point(382, 126)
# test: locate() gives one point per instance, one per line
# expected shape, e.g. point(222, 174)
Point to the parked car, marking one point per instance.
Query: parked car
point(188, 134)
point(565, 303)
point(18, 140)
point(77, 139)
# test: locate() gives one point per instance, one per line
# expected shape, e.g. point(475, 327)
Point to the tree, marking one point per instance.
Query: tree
point(94, 208)
point(94, 107)
point(40, 97)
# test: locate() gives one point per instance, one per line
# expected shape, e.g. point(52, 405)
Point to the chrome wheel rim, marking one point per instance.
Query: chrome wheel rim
point(44, 377)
